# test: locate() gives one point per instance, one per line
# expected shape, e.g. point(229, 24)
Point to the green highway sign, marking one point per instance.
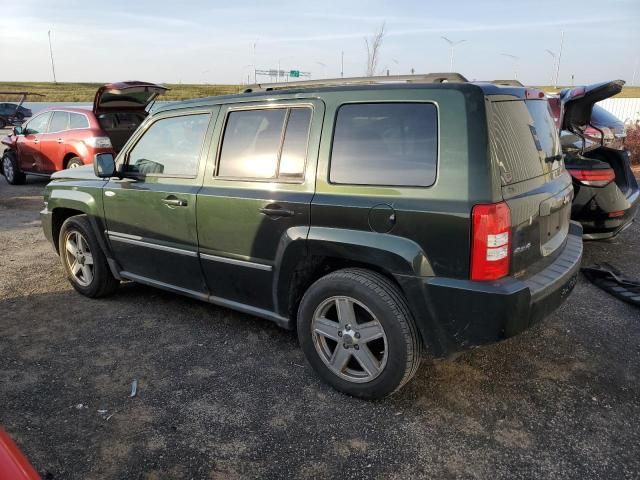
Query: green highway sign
point(294, 73)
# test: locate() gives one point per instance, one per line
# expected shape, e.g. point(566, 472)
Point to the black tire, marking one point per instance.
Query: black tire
point(19, 116)
point(387, 304)
point(74, 162)
point(10, 170)
point(3, 122)
point(102, 282)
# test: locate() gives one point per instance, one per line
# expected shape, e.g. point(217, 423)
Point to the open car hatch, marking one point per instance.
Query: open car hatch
point(129, 96)
point(578, 102)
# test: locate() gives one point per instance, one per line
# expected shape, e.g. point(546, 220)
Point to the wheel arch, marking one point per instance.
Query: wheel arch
point(302, 259)
point(68, 156)
point(64, 204)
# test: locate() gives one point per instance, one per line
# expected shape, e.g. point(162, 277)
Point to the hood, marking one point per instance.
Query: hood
point(79, 173)
point(578, 102)
point(128, 96)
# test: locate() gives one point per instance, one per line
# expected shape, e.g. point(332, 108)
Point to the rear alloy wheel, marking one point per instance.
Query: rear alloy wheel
point(356, 331)
point(10, 170)
point(74, 162)
point(83, 260)
point(342, 335)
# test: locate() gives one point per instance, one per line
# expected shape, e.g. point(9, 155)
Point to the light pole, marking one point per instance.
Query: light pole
point(553, 67)
point(53, 67)
point(342, 64)
point(255, 75)
point(452, 45)
point(515, 63)
point(323, 65)
point(559, 58)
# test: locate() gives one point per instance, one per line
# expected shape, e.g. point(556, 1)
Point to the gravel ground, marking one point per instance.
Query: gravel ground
point(226, 395)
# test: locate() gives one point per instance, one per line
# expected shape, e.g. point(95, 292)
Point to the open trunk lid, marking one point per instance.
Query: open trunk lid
point(525, 148)
point(126, 96)
point(578, 102)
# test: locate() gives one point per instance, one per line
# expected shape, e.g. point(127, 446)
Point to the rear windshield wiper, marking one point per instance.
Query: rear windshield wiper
point(553, 158)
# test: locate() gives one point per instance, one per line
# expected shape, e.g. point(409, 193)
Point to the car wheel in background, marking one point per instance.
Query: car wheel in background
point(10, 169)
point(20, 116)
point(74, 162)
point(356, 331)
point(83, 260)
point(3, 122)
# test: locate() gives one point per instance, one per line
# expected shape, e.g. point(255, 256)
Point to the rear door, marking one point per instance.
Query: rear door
point(256, 198)
point(52, 146)
point(151, 214)
point(526, 152)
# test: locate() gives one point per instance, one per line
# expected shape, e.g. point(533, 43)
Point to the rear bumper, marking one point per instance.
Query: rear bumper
point(454, 315)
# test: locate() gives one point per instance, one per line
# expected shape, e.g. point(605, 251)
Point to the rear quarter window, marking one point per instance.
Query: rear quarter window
point(394, 144)
point(524, 139)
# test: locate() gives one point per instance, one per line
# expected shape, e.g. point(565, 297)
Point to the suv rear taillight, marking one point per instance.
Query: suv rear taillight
point(490, 241)
point(593, 177)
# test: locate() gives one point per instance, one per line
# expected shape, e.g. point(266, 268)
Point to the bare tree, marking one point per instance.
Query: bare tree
point(373, 45)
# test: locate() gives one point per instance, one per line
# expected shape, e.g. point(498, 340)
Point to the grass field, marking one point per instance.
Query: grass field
point(84, 92)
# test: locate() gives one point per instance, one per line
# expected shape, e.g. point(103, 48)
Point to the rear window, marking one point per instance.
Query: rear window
point(391, 144)
point(524, 139)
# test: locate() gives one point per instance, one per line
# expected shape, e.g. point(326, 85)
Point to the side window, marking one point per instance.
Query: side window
point(392, 144)
point(59, 122)
point(265, 143)
point(170, 146)
point(77, 120)
point(38, 124)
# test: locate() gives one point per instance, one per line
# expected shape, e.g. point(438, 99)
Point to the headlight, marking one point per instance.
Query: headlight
point(98, 142)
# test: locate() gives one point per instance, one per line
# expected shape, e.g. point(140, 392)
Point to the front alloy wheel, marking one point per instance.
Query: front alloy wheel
point(7, 168)
point(79, 258)
point(83, 260)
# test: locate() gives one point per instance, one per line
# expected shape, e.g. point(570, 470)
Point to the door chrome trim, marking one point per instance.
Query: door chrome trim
point(136, 240)
point(239, 263)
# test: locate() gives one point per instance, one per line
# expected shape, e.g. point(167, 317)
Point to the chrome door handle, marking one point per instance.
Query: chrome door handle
point(174, 202)
point(276, 212)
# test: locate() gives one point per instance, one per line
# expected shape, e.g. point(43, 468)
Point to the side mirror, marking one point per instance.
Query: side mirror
point(18, 131)
point(104, 165)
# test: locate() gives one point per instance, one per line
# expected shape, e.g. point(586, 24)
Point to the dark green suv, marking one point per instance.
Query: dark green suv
point(381, 217)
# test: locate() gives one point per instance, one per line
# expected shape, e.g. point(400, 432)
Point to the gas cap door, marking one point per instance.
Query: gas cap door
point(382, 218)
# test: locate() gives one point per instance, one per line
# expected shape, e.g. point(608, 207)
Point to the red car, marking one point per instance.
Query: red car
point(60, 138)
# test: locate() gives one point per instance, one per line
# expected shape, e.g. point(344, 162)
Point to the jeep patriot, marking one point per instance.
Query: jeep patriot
point(384, 218)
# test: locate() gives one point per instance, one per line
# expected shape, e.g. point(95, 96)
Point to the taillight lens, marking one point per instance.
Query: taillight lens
point(98, 142)
point(490, 241)
point(593, 178)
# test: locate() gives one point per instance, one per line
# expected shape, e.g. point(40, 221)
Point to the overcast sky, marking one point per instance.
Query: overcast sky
point(200, 41)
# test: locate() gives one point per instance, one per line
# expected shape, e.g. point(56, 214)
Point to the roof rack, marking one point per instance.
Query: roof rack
point(508, 83)
point(426, 78)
